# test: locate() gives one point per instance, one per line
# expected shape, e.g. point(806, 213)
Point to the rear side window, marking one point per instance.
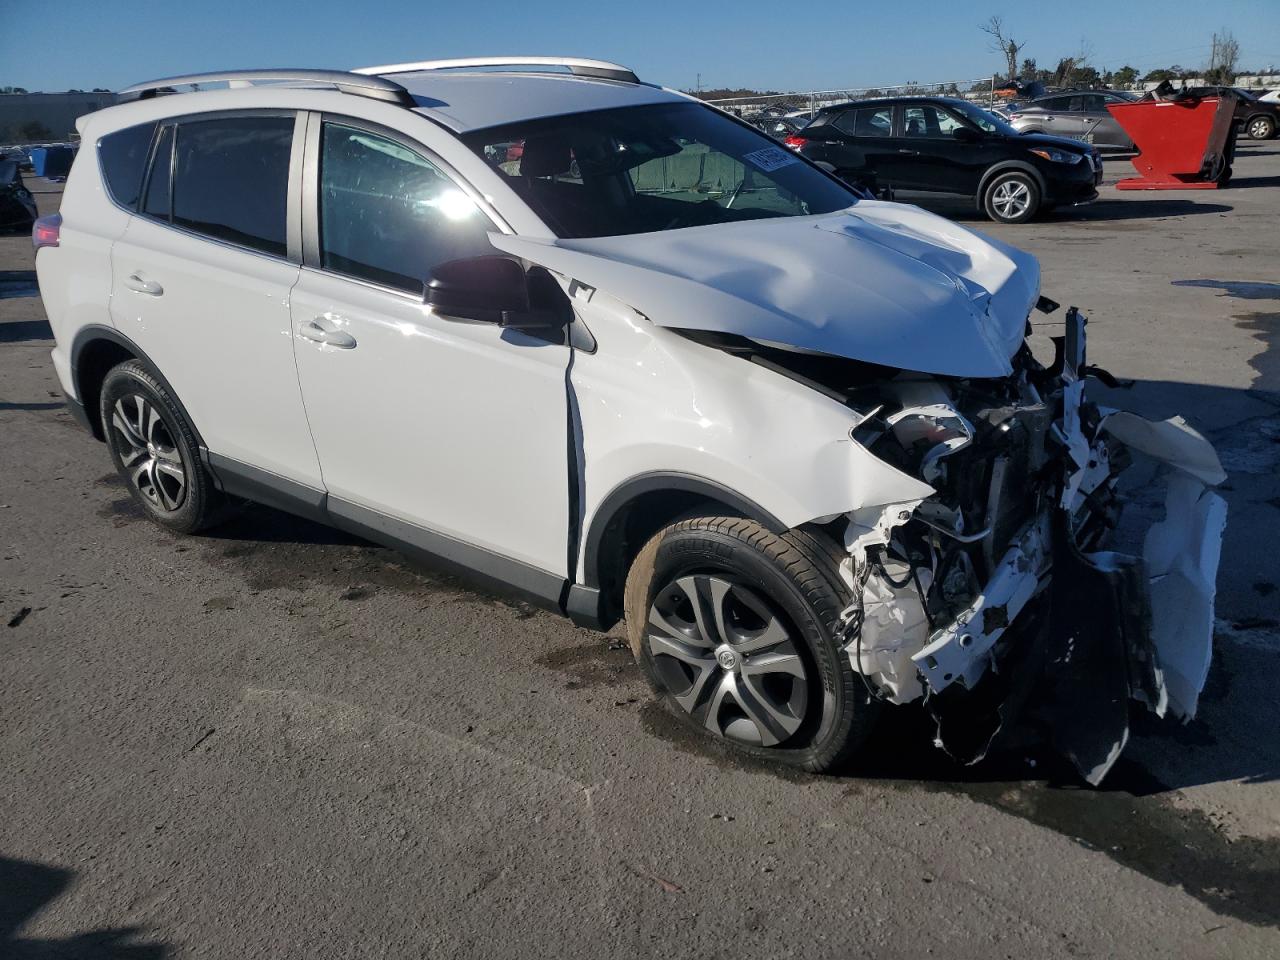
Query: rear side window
point(230, 180)
point(123, 158)
point(866, 122)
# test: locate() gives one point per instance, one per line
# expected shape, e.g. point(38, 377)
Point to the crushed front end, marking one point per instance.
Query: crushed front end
point(1040, 579)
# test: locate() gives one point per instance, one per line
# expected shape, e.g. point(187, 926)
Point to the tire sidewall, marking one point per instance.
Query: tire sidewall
point(989, 208)
point(683, 551)
point(132, 378)
point(1269, 128)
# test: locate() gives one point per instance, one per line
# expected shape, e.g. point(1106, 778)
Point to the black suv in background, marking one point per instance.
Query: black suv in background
point(948, 146)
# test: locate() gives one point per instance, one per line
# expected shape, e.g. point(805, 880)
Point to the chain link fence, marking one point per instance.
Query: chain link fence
point(800, 105)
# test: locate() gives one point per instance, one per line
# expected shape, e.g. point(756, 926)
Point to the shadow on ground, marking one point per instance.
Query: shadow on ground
point(26, 888)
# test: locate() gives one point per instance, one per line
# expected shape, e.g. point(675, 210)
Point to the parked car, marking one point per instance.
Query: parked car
point(1256, 119)
point(1078, 114)
point(17, 206)
point(652, 365)
point(1271, 96)
point(945, 145)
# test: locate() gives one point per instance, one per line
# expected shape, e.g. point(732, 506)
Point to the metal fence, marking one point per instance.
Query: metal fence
point(980, 91)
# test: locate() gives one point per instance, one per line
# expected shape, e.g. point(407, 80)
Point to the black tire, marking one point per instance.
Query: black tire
point(129, 394)
point(1260, 128)
point(795, 577)
point(1013, 181)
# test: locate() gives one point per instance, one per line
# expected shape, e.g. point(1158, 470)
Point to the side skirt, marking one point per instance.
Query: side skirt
point(502, 575)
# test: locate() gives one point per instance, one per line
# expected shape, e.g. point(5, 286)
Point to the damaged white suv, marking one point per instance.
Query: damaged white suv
point(611, 348)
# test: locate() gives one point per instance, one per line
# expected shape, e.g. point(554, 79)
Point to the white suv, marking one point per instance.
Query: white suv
point(618, 351)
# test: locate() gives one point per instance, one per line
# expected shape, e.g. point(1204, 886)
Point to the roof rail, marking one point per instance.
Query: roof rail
point(600, 69)
point(358, 84)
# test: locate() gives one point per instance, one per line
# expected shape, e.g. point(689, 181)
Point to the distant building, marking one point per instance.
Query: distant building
point(57, 112)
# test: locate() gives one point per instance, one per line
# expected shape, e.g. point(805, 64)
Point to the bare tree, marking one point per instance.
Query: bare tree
point(1225, 57)
point(1005, 45)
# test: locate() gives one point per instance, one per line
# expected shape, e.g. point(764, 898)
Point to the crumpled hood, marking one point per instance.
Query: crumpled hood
point(880, 282)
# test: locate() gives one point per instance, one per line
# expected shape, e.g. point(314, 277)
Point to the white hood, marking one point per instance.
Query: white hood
point(880, 282)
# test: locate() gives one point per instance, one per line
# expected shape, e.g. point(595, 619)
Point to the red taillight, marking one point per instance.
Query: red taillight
point(1014, 116)
point(46, 230)
point(794, 142)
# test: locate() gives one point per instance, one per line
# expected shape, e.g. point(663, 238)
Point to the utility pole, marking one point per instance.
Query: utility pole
point(699, 83)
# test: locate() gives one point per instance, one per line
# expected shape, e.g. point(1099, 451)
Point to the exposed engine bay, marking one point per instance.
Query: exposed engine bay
point(1029, 584)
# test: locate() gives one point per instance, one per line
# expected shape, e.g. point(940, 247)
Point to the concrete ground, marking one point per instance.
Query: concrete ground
point(277, 741)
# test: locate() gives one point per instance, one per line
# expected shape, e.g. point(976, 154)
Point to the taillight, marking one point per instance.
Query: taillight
point(1014, 116)
point(794, 142)
point(46, 230)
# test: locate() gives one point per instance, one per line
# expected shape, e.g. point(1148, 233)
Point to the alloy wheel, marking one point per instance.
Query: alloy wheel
point(728, 660)
point(148, 452)
point(1260, 129)
point(1011, 199)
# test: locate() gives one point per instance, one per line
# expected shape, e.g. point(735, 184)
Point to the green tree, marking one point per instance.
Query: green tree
point(34, 130)
point(1126, 76)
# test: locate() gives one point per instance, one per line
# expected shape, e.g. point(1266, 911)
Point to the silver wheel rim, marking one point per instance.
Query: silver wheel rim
point(728, 660)
point(148, 453)
point(1259, 129)
point(1011, 199)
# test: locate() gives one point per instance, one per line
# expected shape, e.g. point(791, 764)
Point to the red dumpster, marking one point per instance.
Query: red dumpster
point(1183, 144)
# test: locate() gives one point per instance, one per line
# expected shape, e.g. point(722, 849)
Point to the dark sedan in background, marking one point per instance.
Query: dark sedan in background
point(941, 145)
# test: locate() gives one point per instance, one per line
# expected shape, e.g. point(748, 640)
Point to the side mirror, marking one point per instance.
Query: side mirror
point(966, 134)
point(499, 290)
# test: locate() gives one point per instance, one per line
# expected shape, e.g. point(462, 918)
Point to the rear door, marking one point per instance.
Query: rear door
point(863, 149)
point(201, 281)
point(449, 435)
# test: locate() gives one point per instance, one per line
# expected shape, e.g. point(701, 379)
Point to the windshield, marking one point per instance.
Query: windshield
point(982, 118)
point(651, 168)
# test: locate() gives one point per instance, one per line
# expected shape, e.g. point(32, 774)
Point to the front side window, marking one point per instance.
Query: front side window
point(123, 158)
point(231, 180)
point(650, 168)
point(926, 120)
point(389, 215)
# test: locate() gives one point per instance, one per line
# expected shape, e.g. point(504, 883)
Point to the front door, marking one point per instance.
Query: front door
point(201, 280)
point(446, 434)
point(933, 160)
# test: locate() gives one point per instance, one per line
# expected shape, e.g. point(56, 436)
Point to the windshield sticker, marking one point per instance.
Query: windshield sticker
point(770, 158)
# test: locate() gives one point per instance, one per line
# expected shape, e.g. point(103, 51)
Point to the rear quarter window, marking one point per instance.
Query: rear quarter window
point(123, 158)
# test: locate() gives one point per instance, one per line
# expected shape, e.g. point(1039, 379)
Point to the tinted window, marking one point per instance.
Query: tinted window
point(389, 215)
point(123, 158)
point(925, 120)
point(157, 202)
point(231, 179)
point(1093, 103)
point(650, 168)
point(1053, 103)
point(866, 122)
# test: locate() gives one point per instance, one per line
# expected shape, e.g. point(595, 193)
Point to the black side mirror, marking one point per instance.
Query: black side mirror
point(499, 290)
point(966, 134)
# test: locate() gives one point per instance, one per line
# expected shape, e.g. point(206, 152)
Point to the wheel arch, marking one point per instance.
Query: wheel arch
point(94, 351)
point(1012, 166)
point(634, 511)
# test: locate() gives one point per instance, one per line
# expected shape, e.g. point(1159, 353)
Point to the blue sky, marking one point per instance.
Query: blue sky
point(786, 46)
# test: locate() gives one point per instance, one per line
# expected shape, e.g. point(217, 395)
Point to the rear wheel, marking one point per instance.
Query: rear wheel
point(155, 451)
point(1012, 197)
point(1261, 128)
point(734, 628)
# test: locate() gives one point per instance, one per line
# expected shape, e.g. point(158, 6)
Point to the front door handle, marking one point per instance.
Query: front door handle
point(909, 153)
point(137, 284)
point(315, 331)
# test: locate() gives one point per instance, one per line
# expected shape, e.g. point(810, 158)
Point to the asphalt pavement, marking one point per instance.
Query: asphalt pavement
point(275, 740)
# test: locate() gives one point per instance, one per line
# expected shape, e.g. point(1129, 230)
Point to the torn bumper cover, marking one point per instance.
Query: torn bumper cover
point(1072, 613)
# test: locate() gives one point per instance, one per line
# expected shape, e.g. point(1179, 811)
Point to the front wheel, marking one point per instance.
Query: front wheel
point(1012, 197)
point(1261, 128)
point(734, 627)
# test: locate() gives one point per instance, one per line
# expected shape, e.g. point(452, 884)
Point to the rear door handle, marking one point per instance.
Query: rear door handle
point(909, 153)
point(315, 331)
point(137, 284)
